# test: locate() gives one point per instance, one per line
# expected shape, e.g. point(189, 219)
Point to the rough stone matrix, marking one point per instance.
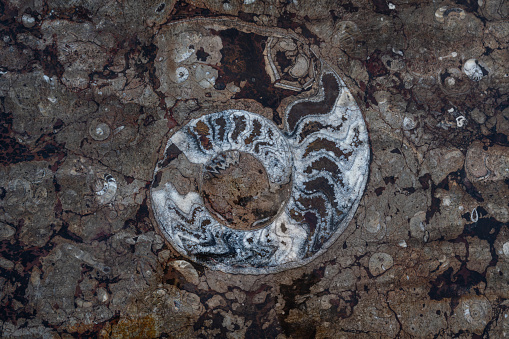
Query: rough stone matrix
point(92, 91)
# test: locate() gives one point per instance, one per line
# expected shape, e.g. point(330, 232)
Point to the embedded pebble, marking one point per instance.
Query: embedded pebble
point(478, 116)
point(102, 295)
point(6, 231)
point(505, 249)
point(417, 224)
point(300, 68)
point(373, 222)
point(206, 76)
point(28, 20)
point(187, 270)
point(444, 161)
point(6, 264)
point(379, 263)
point(490, 164)
point(409, 123)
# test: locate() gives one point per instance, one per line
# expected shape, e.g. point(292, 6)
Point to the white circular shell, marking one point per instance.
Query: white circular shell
point(181, 74)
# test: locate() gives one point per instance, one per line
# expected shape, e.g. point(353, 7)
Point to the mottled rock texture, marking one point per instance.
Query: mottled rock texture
point(90, 91)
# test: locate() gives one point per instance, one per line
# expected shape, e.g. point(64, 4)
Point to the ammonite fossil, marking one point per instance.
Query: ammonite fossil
point(236, 189)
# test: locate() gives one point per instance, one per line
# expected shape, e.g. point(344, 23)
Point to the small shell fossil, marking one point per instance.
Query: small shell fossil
point(185, 45)
point(40, 195)
point(182, 74)
point(300, 68)
point(453, 81)
point(105, 189)
point(160, 7)
point(393, 62)
point(76, 252)
point(379, 263)
point(472, 69)
point(487, 164)
point(476, 311)
point(409, 123)
point(39, 175)
point(227, 6)
point(99, 131)
point(474, 216)
point(28, 20)
point(460, 121)
point(445, 13)
point(298, 72)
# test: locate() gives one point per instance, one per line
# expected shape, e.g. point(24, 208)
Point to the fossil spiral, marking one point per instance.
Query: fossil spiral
point(235, 192)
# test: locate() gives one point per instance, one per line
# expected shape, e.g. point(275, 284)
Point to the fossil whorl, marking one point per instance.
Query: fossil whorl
point(235, 192)
point(323, 156)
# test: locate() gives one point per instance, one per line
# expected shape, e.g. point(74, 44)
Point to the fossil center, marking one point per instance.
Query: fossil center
point(236, 191)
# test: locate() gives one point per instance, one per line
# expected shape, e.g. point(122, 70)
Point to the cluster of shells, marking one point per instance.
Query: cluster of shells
point(300, 72)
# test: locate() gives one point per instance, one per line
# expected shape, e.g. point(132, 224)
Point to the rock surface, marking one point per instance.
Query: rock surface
point(90, 92)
